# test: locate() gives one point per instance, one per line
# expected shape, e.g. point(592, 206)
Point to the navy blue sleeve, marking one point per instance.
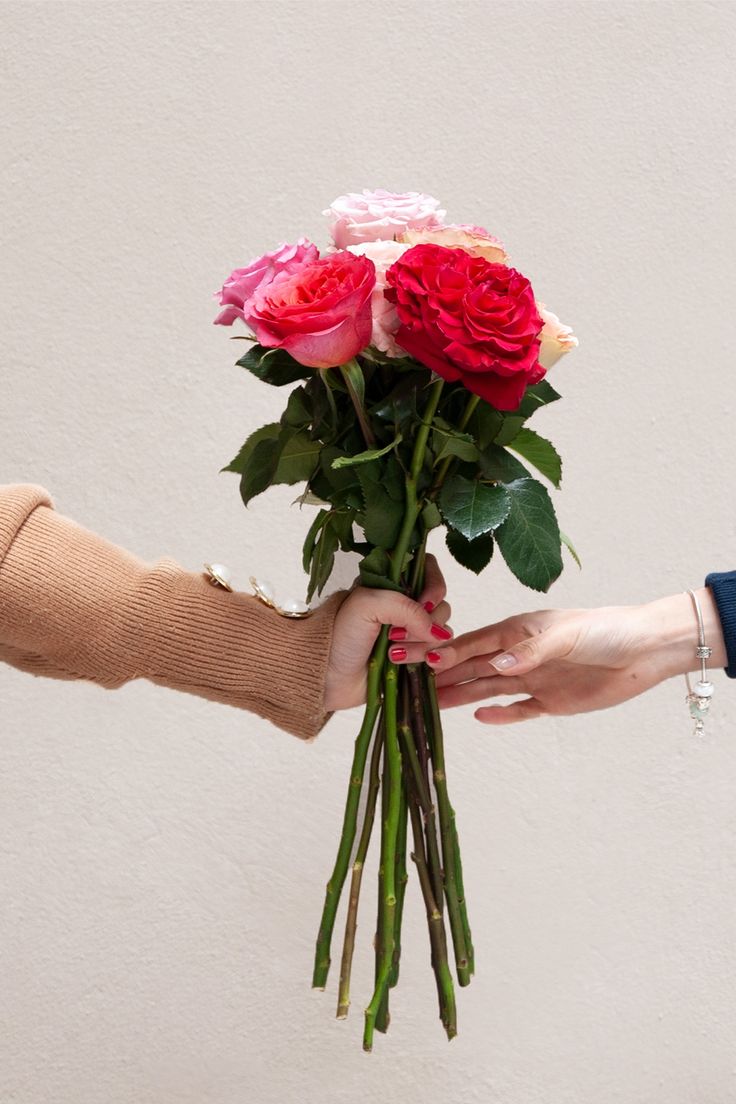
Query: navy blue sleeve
point(723, 585)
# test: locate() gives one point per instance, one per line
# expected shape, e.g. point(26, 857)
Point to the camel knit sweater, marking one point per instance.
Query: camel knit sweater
point(75, 606)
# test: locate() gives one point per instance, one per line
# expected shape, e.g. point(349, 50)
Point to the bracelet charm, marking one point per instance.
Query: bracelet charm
point(700, 696)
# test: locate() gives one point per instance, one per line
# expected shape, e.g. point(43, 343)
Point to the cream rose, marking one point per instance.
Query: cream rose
point(385, 319)
point(556, 338)
point(473, 239)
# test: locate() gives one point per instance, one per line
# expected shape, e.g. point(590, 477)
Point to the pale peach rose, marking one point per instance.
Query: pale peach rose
point(556, 338)
point(385, 319)
point(473, 239)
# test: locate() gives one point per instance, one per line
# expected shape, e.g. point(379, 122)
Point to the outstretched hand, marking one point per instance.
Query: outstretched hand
point(574, 661)
point(416, 629)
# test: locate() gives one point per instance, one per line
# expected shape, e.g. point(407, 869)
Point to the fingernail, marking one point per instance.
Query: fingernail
point(440, 632)
point(503, 662)
point(433, 657)
point(429, 606)
point(397, 634)
point(396, 654)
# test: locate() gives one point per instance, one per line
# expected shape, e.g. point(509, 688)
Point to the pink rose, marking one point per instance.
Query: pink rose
point(320, 314)
point(385, 319)
point(557, 338)
point(473, 239)
point(242, 284)
point(369, 216)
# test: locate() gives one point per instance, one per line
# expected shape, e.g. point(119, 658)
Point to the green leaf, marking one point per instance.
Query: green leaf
point(475, 554)
point(239, 463)
point(431, 516)
point(340, 488)
point(485, 424)
point(260, 469)
point(496, 463)
point(512, 423)
point(570, 547)
point(324, 408)
point(382, 511)
point(311, 538)
point(298, 413)
point(382, 517)
point(323, 558)
point(540, 453)
point(342, 521)
point(374, 571)
point(449, 442)
point(364, 457)
point(472, 507)
point(539, 394)
point(298, 459)
point(273, 366)
point(529, 539)
point(401, 402)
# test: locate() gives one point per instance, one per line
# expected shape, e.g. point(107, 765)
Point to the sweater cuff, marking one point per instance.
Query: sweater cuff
point(230, 647)
point(723, 585)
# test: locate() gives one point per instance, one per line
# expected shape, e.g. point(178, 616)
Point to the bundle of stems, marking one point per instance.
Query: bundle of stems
point(401, 743)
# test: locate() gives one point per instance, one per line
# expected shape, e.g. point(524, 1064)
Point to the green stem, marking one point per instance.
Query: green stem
point(402, 878)
point(412, 506)
point(437, 935)
point(389, 836)
point(349, 826)
point(416, 715)
point(382, 1013)
point(417, 576)
point(351, 922)
point(357, 402)
point(458, 926)
point(454, 839)
point(462, 425)
point(461, 896)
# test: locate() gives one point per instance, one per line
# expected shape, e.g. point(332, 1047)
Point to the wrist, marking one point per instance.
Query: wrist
point(672, 635)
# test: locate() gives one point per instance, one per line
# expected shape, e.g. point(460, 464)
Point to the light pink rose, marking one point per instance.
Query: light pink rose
point(320, 314)
point(370, 216)
point(385, 319)
point(242, 284)
point(457, 235)
point(556, 338)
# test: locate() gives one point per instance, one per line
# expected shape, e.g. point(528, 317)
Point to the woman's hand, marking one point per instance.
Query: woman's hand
point(416, 628)
point(574, 661)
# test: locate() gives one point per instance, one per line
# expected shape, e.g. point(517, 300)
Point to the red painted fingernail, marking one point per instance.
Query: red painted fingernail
point(397, 634)
point(429, 606)
point(433, 657)
point(396, 654)
point(441, 633)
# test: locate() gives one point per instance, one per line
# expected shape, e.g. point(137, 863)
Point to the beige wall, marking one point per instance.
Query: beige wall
point(161, 858)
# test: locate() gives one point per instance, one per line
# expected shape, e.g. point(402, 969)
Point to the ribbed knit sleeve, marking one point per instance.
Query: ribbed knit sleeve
point(75, 606)
point(723, 585)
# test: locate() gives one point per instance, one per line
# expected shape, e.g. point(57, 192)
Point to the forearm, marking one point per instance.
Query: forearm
point(73, 605)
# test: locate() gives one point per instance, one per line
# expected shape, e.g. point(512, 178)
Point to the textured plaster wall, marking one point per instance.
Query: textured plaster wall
point(161, 858)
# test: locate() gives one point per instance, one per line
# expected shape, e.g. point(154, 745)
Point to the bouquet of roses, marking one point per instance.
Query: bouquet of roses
point(419, 353)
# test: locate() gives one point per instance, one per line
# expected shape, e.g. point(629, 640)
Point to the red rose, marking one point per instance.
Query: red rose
point(468, 319)
point(320, 314)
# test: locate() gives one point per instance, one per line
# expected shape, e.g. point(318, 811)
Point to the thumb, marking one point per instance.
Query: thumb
point(528, 654)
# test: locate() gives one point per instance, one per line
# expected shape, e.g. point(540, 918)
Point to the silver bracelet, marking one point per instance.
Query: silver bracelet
point(700, 696)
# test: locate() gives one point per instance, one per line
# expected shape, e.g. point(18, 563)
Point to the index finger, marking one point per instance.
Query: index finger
point(435, 587)
point(485, 641)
